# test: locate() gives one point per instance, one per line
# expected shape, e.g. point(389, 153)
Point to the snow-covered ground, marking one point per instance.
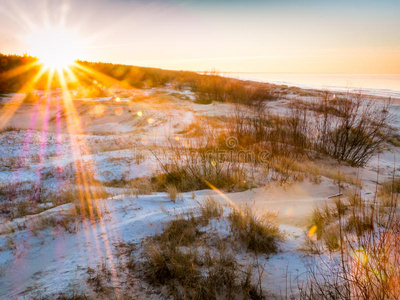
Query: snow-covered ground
point(118, 139)
point(54, 259)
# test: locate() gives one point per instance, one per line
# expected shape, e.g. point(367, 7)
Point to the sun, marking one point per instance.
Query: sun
point(55, 48)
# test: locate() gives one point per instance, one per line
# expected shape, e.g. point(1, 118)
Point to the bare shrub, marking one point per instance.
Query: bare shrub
point(351, 128)
point(298, 123)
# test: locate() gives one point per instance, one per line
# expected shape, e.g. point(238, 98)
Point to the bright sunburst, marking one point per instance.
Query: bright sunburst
point(56, 48)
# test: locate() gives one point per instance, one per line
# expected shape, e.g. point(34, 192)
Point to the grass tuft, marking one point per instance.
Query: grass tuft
point(258, 233)
point(173, 192)
point(211, 208)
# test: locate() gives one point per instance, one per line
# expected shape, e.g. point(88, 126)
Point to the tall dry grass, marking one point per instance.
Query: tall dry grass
point(365, 255)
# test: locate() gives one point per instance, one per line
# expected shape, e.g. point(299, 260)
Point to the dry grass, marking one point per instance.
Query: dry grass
point(314, 171)
point(351, 210)
point(143, 186)
point(389, 192)
point(190, 275)
point(22, 199)
point(331, 237)
point(353, 198)
point(10, 243)
point(367, 256)
point(192, 173)
point(325, 219)
point(83, 208)
point(186, 263)
point(359, 224)
point(258, 233)
point(68, 220)
point(173, 193)
point(183, 230)
point(211, 208)
point(21, 209)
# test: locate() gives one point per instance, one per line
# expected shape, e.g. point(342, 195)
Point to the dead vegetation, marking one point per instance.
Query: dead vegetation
point(197, 167)
point(363, 236)
point(19, 201)
point(389, 192)
point(291, 147)
point(173, 193)
point(192, 262)
point(258, 233)
point(350, 129)
point(189, 259)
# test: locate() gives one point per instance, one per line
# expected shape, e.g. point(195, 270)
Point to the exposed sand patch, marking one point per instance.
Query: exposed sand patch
point(293, 203)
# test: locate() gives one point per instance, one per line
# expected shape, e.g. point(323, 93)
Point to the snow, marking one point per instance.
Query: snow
point(67, 256)
point(50, 260)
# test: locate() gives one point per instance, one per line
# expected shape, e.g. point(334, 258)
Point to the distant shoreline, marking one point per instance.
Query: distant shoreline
point(375, 85)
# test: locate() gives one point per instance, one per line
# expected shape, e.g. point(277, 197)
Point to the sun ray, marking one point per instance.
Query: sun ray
point(229, 201)
point(23, 18)
point(43, 146)
point(71, 75)
point(84, 167)
point(58, 141)
point(102, 77)
point(21, 158)
point(86, 176)
point(79, 169)
point(14, 103)
point(18, 70)
point(42, 150)
point(108, 80)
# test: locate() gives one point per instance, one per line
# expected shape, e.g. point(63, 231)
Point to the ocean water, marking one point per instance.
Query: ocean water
point(383, 85)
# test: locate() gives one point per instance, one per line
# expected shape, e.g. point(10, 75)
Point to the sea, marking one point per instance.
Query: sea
point(380, 85)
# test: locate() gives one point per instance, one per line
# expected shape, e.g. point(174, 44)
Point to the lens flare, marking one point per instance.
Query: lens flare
point(312, 231)
point(99, 110)
point(289, 211)
point(118, 111)
point(360, 255)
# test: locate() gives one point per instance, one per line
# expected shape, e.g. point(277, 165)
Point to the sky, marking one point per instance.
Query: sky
point(276, 36)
